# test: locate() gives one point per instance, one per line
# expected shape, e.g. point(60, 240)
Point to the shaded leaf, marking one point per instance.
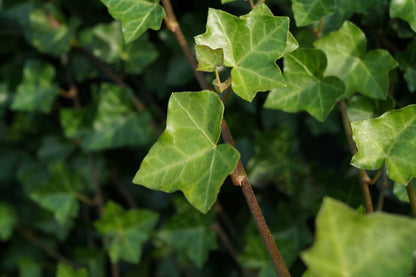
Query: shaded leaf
point(307, 11)
point(54, 150)
point(362, 72)
point(407, 63)
point(67, 271)
point(307, 89)
point(191, 232)
point(29, 268)
point(76, 122)
point(404, 9)
point(360, 107)
point(136, 16)
point(186, 157)
point(401, 192)
point(251, 54)
point(348, 244)
point(93, 259)
point(387, 139)
point(8, 219)
point(127, 230)
point(36, 92)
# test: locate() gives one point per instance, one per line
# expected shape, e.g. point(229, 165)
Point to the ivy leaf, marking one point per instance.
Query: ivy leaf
point(407, 63)
point(307, 11)
point(8, 219)
point(186, 157)
point(208, 59)
point(362, 72)
point(67, 271)
point(401, 192)
point(251, 54)
point(348, 244)
point(404, 9)
point(136, 16)
point(387, 139)
point(59, 194)
point(307, 88)
point(191, 232)
point(126, 230)
point(36, 92)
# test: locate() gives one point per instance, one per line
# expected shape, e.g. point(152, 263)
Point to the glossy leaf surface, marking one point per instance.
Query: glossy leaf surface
point(362, 72)
point(208, 59)
point(387, 139)
point(186, 157)
point(251, 54)
point(404, 9)
point(127, 230)
point(307, 89)
point(136, 16)
point(307, 11)
point(349, 244)
point(8, 219)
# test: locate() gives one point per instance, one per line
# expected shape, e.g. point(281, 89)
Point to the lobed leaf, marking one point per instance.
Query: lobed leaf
point(308, 11)
point(348, 243)
point(126, 230)
point(387, 139)
point(250, 53)
point(136, 16)
point(404, 9)
point(362, 72)
point(307, 89)
point(186, 156)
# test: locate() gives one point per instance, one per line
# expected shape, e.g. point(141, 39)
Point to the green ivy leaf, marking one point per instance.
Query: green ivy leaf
point(59, 194)
point(8, 219)
point(407, 63)
point(186, 157)
point(307, 11)
point(401, 192)
point(67, 271)
point(54, 150)
point(136, 16)
point(208, 59)
point(362, 72)
point(191, 232)
point(29, 268)
point(387, 139)
point(93, 259)
point(36, 92)
point(250, 53)
point(348, 244)
point(117, 123)
point(126, 230)
point(404, 9)
point(307, 88)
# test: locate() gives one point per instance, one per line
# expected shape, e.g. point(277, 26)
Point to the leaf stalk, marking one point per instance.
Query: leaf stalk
point(412, 198)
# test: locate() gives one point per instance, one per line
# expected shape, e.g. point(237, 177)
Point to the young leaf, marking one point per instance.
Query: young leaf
point(208, 59)
point(307, 88)
point(387, 139)
point(362, 72)
point(349, 244)
point(36, 92)
point(307, 11)
point(8, 219)
point(404, 9)
point(67, 271)
point(126, 230)
point(250, 53)
point(191, 232)
point(136, 16)
point(186, 157)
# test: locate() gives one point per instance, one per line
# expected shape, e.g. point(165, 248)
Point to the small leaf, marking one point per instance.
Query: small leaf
point(349, 244)
point(250, 53)
point(307, 11)
point(407, 63)
point(362, 72)
point(387, 139)
point(8, 219)
point(186, 157)
point(404, 9)
point(126, 230)
point(208, 59)
point(67, 271)
point(401, 192)
point(191, 232)
point(136, 16)
point(307, 89)
point(36, 92)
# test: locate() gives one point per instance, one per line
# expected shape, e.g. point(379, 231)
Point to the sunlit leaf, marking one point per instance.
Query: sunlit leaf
point(362, 72)
point(307, 89)
point(36, 92)
point(186, 157)
point(387, 139)
point(251, 54)
point(67, 271)
point(208, 59)
point(307, 11)
point(136, 16)
point(350, 244)
point(404, 9)
point(8, 219)
point(127, 230)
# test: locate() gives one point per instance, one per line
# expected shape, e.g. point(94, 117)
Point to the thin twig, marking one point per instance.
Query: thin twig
point(363, 176)
point(412, 198)
point(317, 31)
point(251, 4)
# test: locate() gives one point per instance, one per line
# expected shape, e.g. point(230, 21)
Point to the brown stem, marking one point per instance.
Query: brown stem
point(84, 199)
point(30, 236)
point(412, 198)
point(317, 31)
point(364, 179)
point(251, 4)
